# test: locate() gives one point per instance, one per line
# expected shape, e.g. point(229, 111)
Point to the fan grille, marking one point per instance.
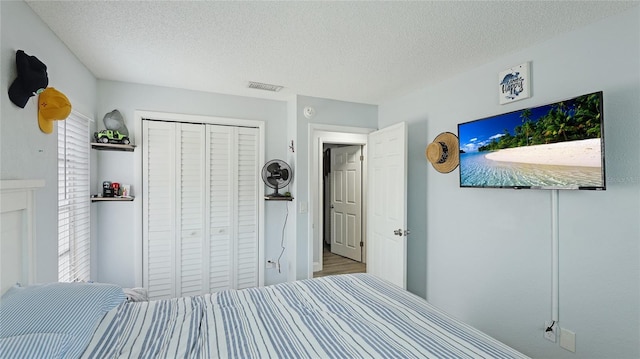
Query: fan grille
point(276, 174)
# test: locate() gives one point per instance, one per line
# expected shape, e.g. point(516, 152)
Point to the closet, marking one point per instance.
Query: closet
point(200, 208)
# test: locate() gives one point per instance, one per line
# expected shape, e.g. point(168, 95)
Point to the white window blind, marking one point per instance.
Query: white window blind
point(73, 199)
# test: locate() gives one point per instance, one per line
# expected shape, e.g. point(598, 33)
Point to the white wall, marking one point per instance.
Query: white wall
point(488, 252)
point(25, 151)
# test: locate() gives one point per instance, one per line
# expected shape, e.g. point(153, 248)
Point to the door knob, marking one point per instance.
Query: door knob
point(398, 232)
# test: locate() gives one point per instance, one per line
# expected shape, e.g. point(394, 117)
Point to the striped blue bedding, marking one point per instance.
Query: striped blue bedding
point(53, 320)
point(346, 316)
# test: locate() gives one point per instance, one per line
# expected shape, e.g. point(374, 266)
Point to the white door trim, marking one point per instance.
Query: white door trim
point(319, 134)
point(138, 190)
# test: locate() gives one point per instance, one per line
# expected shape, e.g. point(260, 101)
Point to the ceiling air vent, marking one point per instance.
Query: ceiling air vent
point(266, 87)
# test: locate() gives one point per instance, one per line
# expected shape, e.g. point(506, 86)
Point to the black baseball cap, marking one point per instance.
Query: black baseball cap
point(32, 79)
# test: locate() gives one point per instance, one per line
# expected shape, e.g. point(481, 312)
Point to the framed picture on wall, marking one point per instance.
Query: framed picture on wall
point(514, 84)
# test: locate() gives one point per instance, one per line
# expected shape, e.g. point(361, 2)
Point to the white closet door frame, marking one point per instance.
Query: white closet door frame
point(138, 185)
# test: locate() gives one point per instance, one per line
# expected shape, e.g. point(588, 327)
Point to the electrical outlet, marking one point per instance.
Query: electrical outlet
point(270, 263)
point(568, 340)
point(550, 335)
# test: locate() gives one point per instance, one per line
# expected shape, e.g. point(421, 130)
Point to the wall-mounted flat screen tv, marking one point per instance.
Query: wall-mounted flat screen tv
point(555, 146)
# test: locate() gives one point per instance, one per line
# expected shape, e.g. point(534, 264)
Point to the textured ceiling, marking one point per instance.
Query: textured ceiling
point(365, 52)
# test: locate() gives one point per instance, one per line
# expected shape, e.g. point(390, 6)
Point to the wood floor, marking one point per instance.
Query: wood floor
point(335, 264)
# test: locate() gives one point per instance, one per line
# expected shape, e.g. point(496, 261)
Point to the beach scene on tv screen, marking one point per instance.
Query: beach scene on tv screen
point(556, 146)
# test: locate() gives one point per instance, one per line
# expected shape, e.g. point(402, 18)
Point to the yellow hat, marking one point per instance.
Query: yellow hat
point(53, 105)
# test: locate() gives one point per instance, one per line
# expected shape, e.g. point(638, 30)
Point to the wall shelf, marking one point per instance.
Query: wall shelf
point(278, 198)
point(112, 147)
point(112, 199)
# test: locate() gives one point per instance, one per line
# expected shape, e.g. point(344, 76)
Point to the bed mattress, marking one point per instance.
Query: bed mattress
point(345, 316)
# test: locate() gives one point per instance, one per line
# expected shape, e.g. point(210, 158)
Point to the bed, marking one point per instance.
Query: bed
point(344, 316)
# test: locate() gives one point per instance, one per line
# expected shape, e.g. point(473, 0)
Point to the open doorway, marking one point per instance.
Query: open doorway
point(384, 214)
point(342, 206)
point(322, 260)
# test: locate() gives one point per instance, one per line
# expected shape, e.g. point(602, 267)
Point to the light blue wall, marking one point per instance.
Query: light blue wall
point(117, 243)
point(117, 235)
point(25, 151)
point(32, 154)
point(488, 252)
point(328, 112)
point(483, 255)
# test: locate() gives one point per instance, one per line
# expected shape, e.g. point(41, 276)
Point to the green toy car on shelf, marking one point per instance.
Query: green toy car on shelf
point(110, 136)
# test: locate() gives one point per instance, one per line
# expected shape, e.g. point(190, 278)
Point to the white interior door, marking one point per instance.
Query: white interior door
point(346, 202)
point(387, 201)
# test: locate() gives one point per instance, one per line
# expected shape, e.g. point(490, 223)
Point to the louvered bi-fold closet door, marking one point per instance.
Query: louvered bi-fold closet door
point(200, 208)
point(190, 217)
point(233, 176)
point(159, 214)
point(248, 179)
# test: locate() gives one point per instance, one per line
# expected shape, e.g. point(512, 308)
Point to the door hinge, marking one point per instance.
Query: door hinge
point(361, 244)
point(361, 158)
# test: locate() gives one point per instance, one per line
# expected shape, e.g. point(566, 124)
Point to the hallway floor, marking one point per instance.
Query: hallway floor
point(335, 264)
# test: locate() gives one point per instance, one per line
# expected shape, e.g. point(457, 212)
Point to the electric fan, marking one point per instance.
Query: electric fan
point(276, 174)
